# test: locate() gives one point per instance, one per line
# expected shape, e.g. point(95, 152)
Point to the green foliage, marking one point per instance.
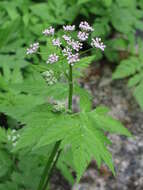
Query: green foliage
point(133, 69)
point(28, 102)
point(82, 132)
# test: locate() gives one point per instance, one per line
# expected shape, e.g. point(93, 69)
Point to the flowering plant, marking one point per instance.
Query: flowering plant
point(72, 48)
point(69, 139)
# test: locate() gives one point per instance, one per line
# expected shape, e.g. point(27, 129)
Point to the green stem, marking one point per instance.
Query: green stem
point(83, 52)
point(70, 88)
point(54, 155)
point(48, 166)
point(52, 169)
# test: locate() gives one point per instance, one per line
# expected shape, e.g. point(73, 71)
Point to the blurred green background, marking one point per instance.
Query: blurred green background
point(115, 21)
point(118, 22)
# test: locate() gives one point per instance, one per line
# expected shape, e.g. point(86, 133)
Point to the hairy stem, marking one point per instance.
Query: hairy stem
point(55, 155)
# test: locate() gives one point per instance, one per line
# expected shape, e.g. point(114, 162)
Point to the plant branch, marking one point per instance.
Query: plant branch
point(70, 88)
point(54, 155)
point(51, 170)
point(48, 166)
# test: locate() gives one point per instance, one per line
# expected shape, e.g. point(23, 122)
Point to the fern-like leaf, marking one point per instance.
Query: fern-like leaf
point(127, 68)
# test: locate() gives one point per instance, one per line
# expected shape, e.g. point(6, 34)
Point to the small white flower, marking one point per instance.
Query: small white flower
point(52, 58)
point(67, 51)
point(67, 38)
point(73, 58)
point(33, 48)
point(49, 77)
point(76, 45)
point(14, 144)
point(56, 42)
point(82, 36)
point(48, 73)
point(69, 28)
point(49, 31)
point(13, 131)
point(59, 106)
point(98, 43)
point(85, 26)
point(14, 138)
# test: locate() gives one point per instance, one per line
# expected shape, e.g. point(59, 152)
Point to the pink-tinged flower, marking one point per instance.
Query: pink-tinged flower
point(67, 51)
point(98, 43)
point(76, 45)
point(56, 42)
point(73, 58)
point(85, 26)
point(82, 36)
point(33, 48)
point(49, 31)
point(69, 28)
point(52, 58)
point(67, 38)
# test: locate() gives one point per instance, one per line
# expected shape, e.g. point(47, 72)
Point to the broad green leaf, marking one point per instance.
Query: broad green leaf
point(107, 3)
point(85, 98)
point(126, 3)
point(64, 167)
point(107, 123)
point(126, 68)
point(83, 1)
point(16, 76)
point(122, 19)
point(3, 137)
point(5, 163)
point(42, 128)
point(16, 105)
point(102, 110)
point(138, 93)
point(9, 32)
point(84, 62)
point(9, 186)
point(133, 81)
point(6, 72)
point(40, 9)
point(101, 27)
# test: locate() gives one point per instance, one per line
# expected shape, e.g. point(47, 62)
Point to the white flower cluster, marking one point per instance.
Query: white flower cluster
point(69, 28)
point(73, 58)
point(49, 31)
point(71, 51)
point(13, 137)
point(98, 43)
point(59, 106)
point(76, 45)
point(67, 51)
point(33, 48)
point(82, 36)
point(85, 26)
point(66, 38)
point(73, 45)
point(52, 58)
point(49, 77)
point(56, 42)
